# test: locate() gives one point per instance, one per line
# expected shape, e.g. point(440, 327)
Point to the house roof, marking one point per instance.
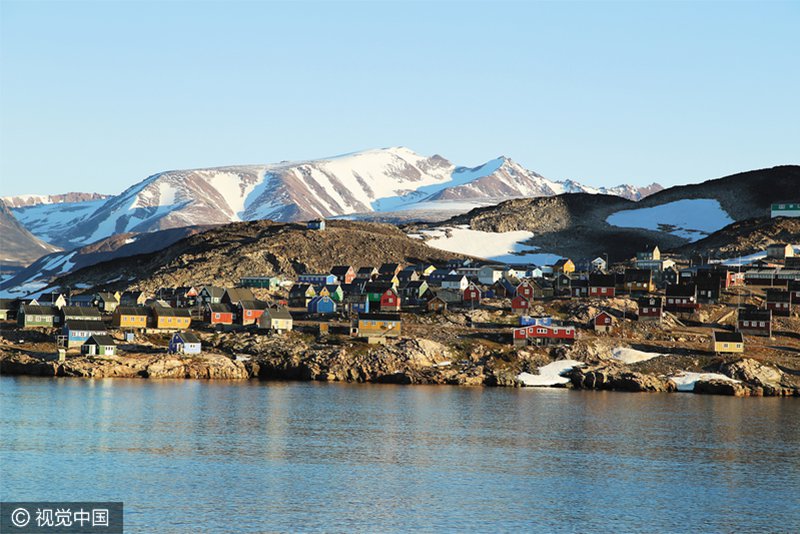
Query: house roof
point(602, 280)
point(454, 278)
point(131, 310)
point(366, 270)
point(237, 294)
point(188, 337)
point(389, 268)
point(214, 291)
point(80, 311)
point(7, 304)
point(754, 314)
point(35, 309)
point(377, 287)
point(171, 312)
point(778, 295)
point(650, 301)
point(681, 290)
point(219, 308)
point(379, 316)
point(253, 305)
point(107, 297)
point(101, 339)
point(728, 337)
point(278, 313)
point(92, 326)
point(340, 270)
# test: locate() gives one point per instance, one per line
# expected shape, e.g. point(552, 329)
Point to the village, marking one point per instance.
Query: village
point(732, 307)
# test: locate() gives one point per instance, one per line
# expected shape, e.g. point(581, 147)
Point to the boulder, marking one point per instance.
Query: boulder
point(753, 372)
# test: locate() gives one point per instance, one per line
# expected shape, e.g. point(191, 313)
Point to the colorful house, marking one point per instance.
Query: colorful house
point(333, 291)
point(366, 273)
point(564, 265)
point(414, 290)
point(727, 342)
point(322, 305)
point(211, 294)
point(472, 294)
point(755, 322)
point(132, 298)
point(316, 224)
point(603, 322)
point(77, 332)
point(639, 281)
point(218, 313)
point(520, 305)
point(535, 320)
point(32, 315)
point(261, 282)
point(59, 300)
point(130, 317)
point(602, 285)
point(301, 294)
point(371, 325)
point(99, 345)
point(779, 302)
point(185, 343)
point(249, 311)
point(375, 290)
point(79, 313)
point(650, 308)
point(357, 303)
point(390, 301)
point(436, 304)
point(345, 274)
point(235, 295)
point(171, 318)
point(579, 288)
point(276, 319)
point(317, 279)
point(543, 335)
point(525, 289)
point(455, 281)
point(107, 302)
point(682, 298)
point(390, 268)
point(8, 309)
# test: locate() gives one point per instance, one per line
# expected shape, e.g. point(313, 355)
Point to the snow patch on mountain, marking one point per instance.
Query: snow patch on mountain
point(692, 218)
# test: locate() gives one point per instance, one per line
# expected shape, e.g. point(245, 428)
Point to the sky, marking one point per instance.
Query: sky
point(98, 96)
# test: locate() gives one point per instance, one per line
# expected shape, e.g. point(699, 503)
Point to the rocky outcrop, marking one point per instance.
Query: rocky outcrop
point(752, 372)
point(617, 378)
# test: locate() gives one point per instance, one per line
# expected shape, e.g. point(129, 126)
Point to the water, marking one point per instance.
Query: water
point(247, 456)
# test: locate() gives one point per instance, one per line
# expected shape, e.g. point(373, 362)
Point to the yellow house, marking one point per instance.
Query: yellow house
point(564, 265)
point(130, 317)
point(728, 342)
point(171, 318)
point(378, 325)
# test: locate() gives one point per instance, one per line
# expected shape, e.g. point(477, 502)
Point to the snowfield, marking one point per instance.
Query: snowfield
point(550, 374)
point(628, 355)
point(691, 219)
point(686, 380)
point(504, 247)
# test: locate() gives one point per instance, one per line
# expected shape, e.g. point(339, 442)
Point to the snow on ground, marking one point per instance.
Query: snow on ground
point(745, 260)
point(550, 374)
point(692, 218)
point(686, 380)
point(628, 355)
point(497, 246)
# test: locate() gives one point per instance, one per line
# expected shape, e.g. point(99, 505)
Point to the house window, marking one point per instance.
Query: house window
point(762, 324)
point(216, 316)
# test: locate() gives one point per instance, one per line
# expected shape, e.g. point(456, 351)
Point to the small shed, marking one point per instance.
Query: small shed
point(185, 343)
point(437, 305)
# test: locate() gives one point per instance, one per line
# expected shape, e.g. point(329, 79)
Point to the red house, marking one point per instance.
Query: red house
point(390, 300)
point(218, 314)
point(754, 321)
point(603, 322)
point(520, 305)
point(543, 335)
point(779, 302)
point(525, 289)
point(682, 298)
point(651, 308)
point(250, 311)
point(602, 285)
point(472, 294)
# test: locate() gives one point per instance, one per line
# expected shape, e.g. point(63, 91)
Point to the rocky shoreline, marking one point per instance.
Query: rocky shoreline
point(408, 362)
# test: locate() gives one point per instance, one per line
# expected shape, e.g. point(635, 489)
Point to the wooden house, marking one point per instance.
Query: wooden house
point(211, 294)
point(520, 305)
point(727, 342)
point(375, 290)
point(388, 277)
point(171, 318)
point(639, 281)
point(650, 308)
point(436, 304)
point(543, 335)
point(132, 298)
point(345, 274)
point(55, 298)
point(489, 274)
point(8, 309)
point(472, 294)
point(603, 322)
point(321, 305)
point(409, 274)
point(779, 251)
point(99, 345)
point(455, 281)
point(317, 279)
point(301, 294)
point(218, 313)
point(504, 289)
point(130, 317)
point(413, 291)
point(602, 285)
point(366, 273)
point(79, 313)
point(754, 321)
point(75, 333)
point(525, 289)
point(185, 343)
point(390, 268)
point(82, 299)
point(779, 302)
point(106, 301)
point(249, 311)
point(276, 319)
point(436, 277)
point(334, 291)
point(356, 303)
point(316, 224)
point(185, 296)
point(681, 298)
point(234, 295)
point(390, 301)
point(564, 266)
point(261, 282)
point(450, 296)
point(32, 315)
point(377, 325)
point(579, 288)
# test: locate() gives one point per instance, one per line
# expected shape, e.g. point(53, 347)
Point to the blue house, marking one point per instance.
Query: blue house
point(185, 343)
point(535, 320)
point(359, 304)
point(322, 305)
point(77, 332)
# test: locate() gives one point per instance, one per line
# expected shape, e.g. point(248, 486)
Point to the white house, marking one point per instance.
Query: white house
point(489, 274)
point(455, 281)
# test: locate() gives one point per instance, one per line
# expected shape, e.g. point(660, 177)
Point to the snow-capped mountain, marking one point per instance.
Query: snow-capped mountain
point(21, 201)
point(18, 247)
point(381, 180)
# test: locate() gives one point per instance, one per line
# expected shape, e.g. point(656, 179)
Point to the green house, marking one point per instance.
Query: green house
point(31, 315)
point(263, 282)
point(99, 345)
point(334, 292)
point(785, 209)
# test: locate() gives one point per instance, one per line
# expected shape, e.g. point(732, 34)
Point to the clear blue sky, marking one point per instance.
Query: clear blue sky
point(96, 96)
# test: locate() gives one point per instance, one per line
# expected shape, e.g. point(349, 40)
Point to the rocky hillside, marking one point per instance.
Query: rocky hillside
point(745, 237)
point(225, 254)
point(18, 246)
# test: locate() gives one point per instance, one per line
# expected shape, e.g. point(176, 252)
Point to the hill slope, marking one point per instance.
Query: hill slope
point(225, 254)
point(743, 238)
point(18, 247)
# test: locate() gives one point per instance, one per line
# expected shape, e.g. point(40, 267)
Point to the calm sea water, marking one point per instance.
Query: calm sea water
point(190, 456)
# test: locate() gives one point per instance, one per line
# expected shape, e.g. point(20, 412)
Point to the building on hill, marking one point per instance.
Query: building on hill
point(218, 313)
point(366, 273)
point(651, 254)
point(390, 268)
point(455, 281)
point(390, 301)
point(375, 290)
point(185, 343)
point(520, 305)
point(681, 298)
point(779, 302)
point(489, 274)
point(99, 345)
point(277, 319)
point(436, 304)
point(130, 317)
point(262, 282)
point(82, 299)
point(171, 318)
point(579, 288)
point(779, 251)
point(754, 321)
point(8, 309)
point(317, 279)
point(75, 333)
point(321, 305)
point(211, 294)
point(603, 322)
point(32, 315)
point(543, 335)
point(785, 209)
point(316, 224)
point(234, 295)
point(588, 265)
point(57, 299)
point(727, 342)
point(132, 298)
point(602, 285)
point(345, 274)
point(80, 313)
point(356, 303)
point(301, 294)
point(650, 308)
point(564, 265)
point(472, 294)
point(249, 311)
point(639, 281)
point(106, 301)
point(377, 325)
